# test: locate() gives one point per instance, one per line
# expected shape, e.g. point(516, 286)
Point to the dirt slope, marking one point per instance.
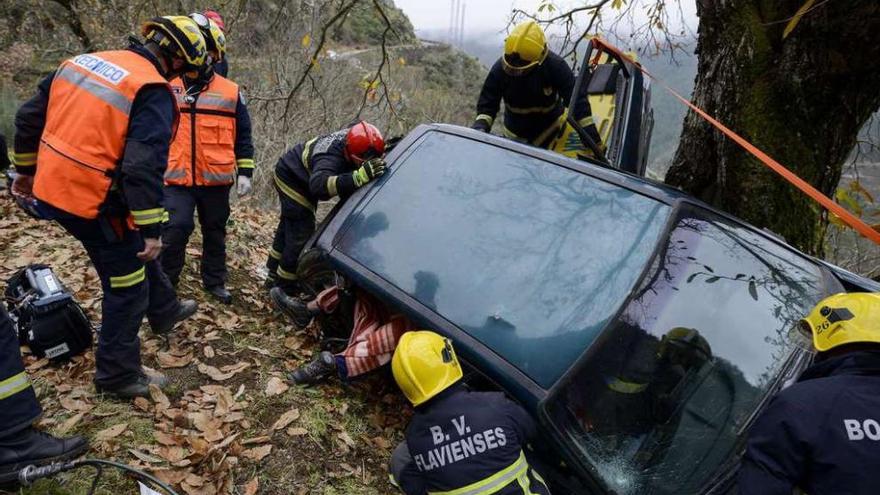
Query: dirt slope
point(228, 424)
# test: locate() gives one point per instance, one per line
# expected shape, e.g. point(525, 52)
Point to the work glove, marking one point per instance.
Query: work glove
point(244, 185)
point(371, 169)
point(481, 125)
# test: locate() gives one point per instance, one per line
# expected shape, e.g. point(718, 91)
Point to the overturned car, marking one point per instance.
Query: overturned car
point(641, 328)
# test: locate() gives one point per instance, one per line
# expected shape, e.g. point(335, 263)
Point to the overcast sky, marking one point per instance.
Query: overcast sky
point(489, 15)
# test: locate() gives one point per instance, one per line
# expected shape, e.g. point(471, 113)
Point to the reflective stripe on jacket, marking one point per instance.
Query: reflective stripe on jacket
point(203, 151)
point(470, 443)
point(87, 120)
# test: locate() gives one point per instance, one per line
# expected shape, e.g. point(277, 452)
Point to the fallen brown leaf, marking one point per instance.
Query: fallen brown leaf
point(167, 360)
point(159, 398)
point(70, 423)
point(74, 405)
point(142, 404)
point(208, 425)
point(193, 479)
point(257, 453)
point(256, 440)
point(226, 373)
point(252, 487)
point(170, 476)
point(173, 453)
point(111, 433)
point(345, 437)
point(165, 438)
point(276, 386)
point(297, 431)
point(208, 351)
point(285, 419)
point(145, 457)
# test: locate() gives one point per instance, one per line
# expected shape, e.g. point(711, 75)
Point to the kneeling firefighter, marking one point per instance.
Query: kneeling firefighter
point(458, 441)
point(212, 146)
point(91, 148)
point(822, 434)
point(536, 86)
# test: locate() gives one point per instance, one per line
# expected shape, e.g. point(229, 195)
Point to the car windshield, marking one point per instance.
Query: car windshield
point(530, 258)
point(662, 397)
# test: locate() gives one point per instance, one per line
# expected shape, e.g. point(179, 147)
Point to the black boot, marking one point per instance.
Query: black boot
point(293, 307)
point(185, 309)
point(321, 368)
point(33, 447)
point(140, 387)
point(220, 293)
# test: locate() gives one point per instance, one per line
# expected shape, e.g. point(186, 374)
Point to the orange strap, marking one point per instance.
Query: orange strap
point(850, 219)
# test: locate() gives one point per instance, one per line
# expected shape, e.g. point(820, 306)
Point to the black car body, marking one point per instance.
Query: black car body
point(643, 329)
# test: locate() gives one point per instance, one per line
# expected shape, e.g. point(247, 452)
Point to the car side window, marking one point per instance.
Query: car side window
point(658, 405)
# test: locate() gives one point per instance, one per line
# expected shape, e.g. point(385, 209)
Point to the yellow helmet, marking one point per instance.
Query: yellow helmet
point(846, 318)
point(179, 36)
point(525, 48)
point(424, 364)
point(213, 34)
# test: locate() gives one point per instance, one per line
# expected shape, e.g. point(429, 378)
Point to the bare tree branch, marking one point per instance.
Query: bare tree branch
point(313, 60)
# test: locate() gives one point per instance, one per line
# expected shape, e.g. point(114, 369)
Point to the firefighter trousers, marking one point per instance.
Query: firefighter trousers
point(295, 227)
point(131, 289)
point(212, 205)
point(18, 402)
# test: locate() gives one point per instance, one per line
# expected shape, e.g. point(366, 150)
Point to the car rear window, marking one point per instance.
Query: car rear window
point(664, 396)
point(530, 258)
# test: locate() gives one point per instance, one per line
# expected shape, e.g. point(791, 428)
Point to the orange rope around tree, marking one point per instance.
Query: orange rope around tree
point(853, 221)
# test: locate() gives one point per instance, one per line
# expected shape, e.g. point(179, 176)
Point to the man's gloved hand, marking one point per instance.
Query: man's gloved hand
point(152, 248)
point(244, 185)
point(371, 169)
point(481, 125)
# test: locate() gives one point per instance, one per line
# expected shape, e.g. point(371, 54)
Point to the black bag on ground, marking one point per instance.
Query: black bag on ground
point(47, 318)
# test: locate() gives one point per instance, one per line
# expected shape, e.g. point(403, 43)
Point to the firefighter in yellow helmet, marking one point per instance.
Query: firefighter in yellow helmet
point(458, 441)
point(211, 152)
point(91, 148)
point(822, 434)
point(535, 85)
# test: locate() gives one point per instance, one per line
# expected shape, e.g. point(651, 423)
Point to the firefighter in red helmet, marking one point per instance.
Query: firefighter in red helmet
point(319, 169)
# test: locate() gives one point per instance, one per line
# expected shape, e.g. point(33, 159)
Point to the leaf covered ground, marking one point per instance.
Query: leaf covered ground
point(228, 423)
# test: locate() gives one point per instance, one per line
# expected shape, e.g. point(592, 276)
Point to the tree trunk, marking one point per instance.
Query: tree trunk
point(801, 99)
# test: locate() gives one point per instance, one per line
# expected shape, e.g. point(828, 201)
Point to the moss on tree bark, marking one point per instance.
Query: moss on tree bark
point(801, 99)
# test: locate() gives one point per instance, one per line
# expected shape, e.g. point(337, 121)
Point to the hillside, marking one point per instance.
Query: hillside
point(362, 27)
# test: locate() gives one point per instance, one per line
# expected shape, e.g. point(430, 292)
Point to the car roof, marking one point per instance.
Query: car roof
point(643, 185)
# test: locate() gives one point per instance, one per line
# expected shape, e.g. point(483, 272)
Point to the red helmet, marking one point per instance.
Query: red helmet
point(216, 17)
point(363, 142)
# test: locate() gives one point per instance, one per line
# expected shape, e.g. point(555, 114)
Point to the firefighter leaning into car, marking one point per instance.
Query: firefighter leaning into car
point(20, 444)
point(91, 148)
point(822, 434)
point(324, 167)
point(536, 86)
point(458, 441)
point(212, 145)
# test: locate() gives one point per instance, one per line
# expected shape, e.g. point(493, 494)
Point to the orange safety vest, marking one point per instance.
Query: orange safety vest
point(87, 119)
point(203, 152)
